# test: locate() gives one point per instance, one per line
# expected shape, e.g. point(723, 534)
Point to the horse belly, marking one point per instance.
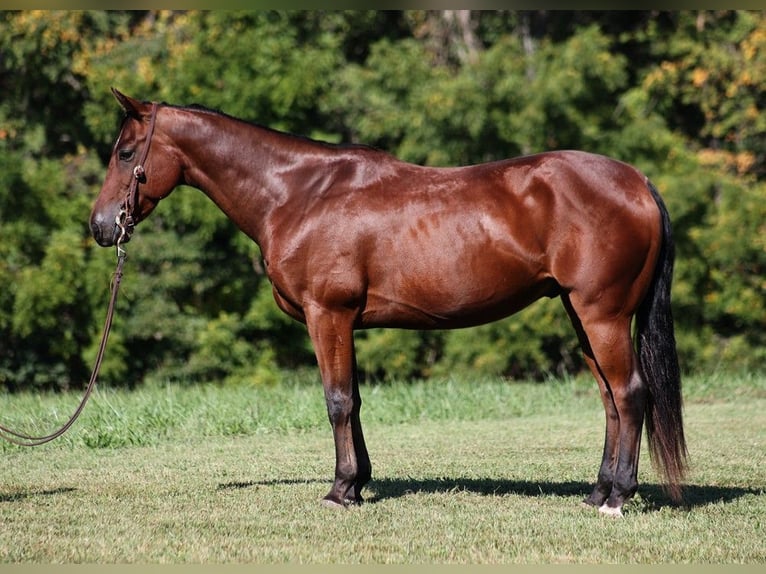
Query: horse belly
point(452, 288)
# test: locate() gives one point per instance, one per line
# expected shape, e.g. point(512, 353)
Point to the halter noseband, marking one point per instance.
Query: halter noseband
point(125, 217)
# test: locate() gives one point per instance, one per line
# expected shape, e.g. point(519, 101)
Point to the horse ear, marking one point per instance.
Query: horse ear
point(132, 107)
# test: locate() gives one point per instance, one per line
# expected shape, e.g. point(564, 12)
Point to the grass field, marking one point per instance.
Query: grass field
point(464, 472)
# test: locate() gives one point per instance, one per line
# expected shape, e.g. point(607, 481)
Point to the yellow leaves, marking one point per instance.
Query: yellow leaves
point(745, 161)
point(754, 44)
point(666, 72)
point(711, 298)
point(669, 67)
point(710, 157)
point(740, 163)
point(145, 70)
point(51, 27)
point(699, 77)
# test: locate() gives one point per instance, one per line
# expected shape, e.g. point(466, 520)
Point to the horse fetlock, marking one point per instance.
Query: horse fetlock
point(596, 498)
point(624, 489)
point(351, 497)
point(601, 491)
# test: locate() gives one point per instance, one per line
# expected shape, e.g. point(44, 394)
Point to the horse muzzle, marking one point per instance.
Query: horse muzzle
point(107, 232)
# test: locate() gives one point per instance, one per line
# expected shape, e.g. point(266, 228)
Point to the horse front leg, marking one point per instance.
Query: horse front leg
point(332, 336)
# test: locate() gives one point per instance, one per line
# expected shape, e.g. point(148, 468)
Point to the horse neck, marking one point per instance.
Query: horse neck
point(245, 169)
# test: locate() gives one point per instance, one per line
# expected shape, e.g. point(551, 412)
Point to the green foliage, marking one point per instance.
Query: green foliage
point(537, 342)
point(678, 94)
point(223, 355)
point(395, 355)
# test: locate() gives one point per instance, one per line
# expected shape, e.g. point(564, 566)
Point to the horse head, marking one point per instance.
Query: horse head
point(144, 167)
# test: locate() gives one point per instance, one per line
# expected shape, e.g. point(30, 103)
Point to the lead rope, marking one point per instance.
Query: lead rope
point(22, 439)
point(123, 220)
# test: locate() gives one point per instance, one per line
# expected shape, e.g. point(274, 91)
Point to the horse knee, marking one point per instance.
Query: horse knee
point(339, 405)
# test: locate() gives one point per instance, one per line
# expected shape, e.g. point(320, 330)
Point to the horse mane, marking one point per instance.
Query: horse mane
point(338, 146)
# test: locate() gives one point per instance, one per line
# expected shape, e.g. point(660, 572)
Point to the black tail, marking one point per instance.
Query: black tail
point(656, 345)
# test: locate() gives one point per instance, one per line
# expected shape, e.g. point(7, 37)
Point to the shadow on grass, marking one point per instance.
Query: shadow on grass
point(650, 497)
point(23, 495)
point(236, 485)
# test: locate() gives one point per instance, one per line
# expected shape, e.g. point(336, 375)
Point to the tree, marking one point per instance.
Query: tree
point(678, 94)
point(47, 177)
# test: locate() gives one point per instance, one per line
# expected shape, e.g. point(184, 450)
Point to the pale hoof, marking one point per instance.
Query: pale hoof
point(609, 511)
point(329, 503)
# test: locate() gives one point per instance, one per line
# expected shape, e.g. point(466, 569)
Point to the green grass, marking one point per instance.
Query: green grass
point(484, 471)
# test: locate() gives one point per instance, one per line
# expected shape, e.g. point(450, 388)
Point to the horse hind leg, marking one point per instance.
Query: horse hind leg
point(606, 472)
point(605, 478)
point(609, 352)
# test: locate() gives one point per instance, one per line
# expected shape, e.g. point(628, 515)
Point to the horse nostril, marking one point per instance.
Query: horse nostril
point(102, 238)
point(96, 231)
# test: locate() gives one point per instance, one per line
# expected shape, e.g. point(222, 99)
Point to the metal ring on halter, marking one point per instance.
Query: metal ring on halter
point(120, 221)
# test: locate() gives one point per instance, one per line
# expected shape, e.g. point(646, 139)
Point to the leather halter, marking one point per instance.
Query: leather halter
point(126, 217)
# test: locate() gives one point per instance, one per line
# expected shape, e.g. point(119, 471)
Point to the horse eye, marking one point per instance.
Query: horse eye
point(126, 154)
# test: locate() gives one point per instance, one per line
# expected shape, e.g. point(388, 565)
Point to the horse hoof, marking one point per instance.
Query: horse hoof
point(332, 503)
point(609, 511)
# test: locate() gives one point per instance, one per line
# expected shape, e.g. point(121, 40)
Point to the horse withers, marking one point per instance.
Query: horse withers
point(353, 238)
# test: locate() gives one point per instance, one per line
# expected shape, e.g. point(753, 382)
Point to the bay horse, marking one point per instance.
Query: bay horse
point(353, 238)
